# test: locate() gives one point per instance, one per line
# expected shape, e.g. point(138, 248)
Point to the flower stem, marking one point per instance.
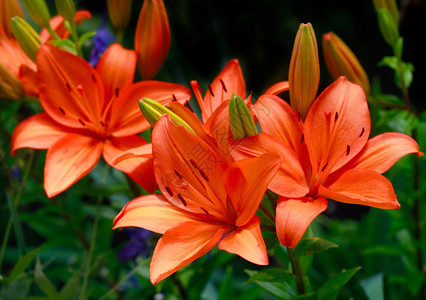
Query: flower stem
point(74, 36)
point(53, 33)
point(297, 272)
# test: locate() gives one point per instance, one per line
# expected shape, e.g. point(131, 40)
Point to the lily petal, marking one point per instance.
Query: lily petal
point(28, 78)
point(278, 119)
point(151, 212)
point(229, 81)
point(70, 90)
point(290, 180)
point(337, 126)
point(38, 132)
point(58, 25)
point(69, 160)
point(187, 170)
point(116, 68)
point(294, 217)
point(383, 151)
point(182, 245)
point(247, 242)
point(140, 169)
point(364, 187)
point(278, 88)
point(126, 117)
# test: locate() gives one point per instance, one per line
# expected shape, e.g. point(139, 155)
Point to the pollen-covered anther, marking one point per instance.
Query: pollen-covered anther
point(203, 175)
point(210, 89)
point(223, 85)
point(189, 106)
point(194, 164)
point(169, 191)
point(182, 200)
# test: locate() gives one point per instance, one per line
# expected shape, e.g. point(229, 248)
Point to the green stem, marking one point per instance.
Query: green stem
point(5, 239)
point(120, 35)
point(74, 36)
point(92, 242)
point(297, 272)
point(53, 33)
point(267, 213)
point(17, 225)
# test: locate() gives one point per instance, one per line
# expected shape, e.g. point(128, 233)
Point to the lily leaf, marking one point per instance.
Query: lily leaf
point(270, 275)
point(312, 245)
point(330, 289)
point(43, 282)
point(283, 290)
point(21, 265)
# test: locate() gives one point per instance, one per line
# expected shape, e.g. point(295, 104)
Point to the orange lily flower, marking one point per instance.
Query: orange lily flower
point(58, 25)
point(206, 200)
point(90, 112)
point(327, 156)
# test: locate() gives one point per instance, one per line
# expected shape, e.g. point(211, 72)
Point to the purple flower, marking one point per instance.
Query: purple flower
point(101, 40)
point(139, 244)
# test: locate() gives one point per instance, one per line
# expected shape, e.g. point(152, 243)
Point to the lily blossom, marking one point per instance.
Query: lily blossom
point(329, 155)
point(206, 200)
point(90, 113)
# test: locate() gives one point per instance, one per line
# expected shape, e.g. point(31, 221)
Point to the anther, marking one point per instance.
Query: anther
point(81, 122)
point(203, 175)
point(93, 78)
point(323, 168)
point(302, 139)
point(178, 174)
point(362, 132)
point(336, 115)
point(204, 210)
point(348, 150)
point(102, 124)
point(117, 91)
point(223, 85)
point(210, 89)
point(174, 98)
point(68, 87)
point(194, 164)
point(169, 191)
point(189, 106)
point(61, 110)
point(181, 199)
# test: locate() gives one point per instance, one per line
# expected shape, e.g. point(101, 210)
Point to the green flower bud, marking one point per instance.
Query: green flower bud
point(390, 5)
point(10, 86)
point(27, 37)
point(388, 27)
point(152, 111)
point(38, 11)
point(66, 8)
point(240, 119)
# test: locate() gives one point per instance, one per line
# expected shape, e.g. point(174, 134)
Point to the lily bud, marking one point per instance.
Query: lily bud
point(388, 27)
point(38, 11)
point(10, 86)
point(152, 37)
point(390, 5)
point(119, 12)
point(341, 60)
point(10, 8)
point(66, 8)
point(240, 119)
point(152, 111)
point(27, 37)
point(304, 73)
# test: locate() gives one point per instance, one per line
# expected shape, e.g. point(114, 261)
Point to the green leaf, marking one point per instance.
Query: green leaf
point(270, 275)
point(308, 296)
point(226, 290)
point(84, 37)
point(282, 290)
point(70, 286)
point(43, 282)
point(330, 289)
point(391, 99)
point(21, 265)
point(373, 287)
point(389, 61)
point(312, 245)
point(65, 45)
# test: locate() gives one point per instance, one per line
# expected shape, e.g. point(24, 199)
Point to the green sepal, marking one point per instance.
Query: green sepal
point(312, 245)
point(240, 119)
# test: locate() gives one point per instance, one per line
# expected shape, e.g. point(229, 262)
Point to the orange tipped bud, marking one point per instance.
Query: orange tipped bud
point(304, 73)
point(9, 9)
point(119, 12)
point(390, 5)
point(152, 38)
point(341, 60)
point(27, 37)
point(38, 11)
point(10, 86)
